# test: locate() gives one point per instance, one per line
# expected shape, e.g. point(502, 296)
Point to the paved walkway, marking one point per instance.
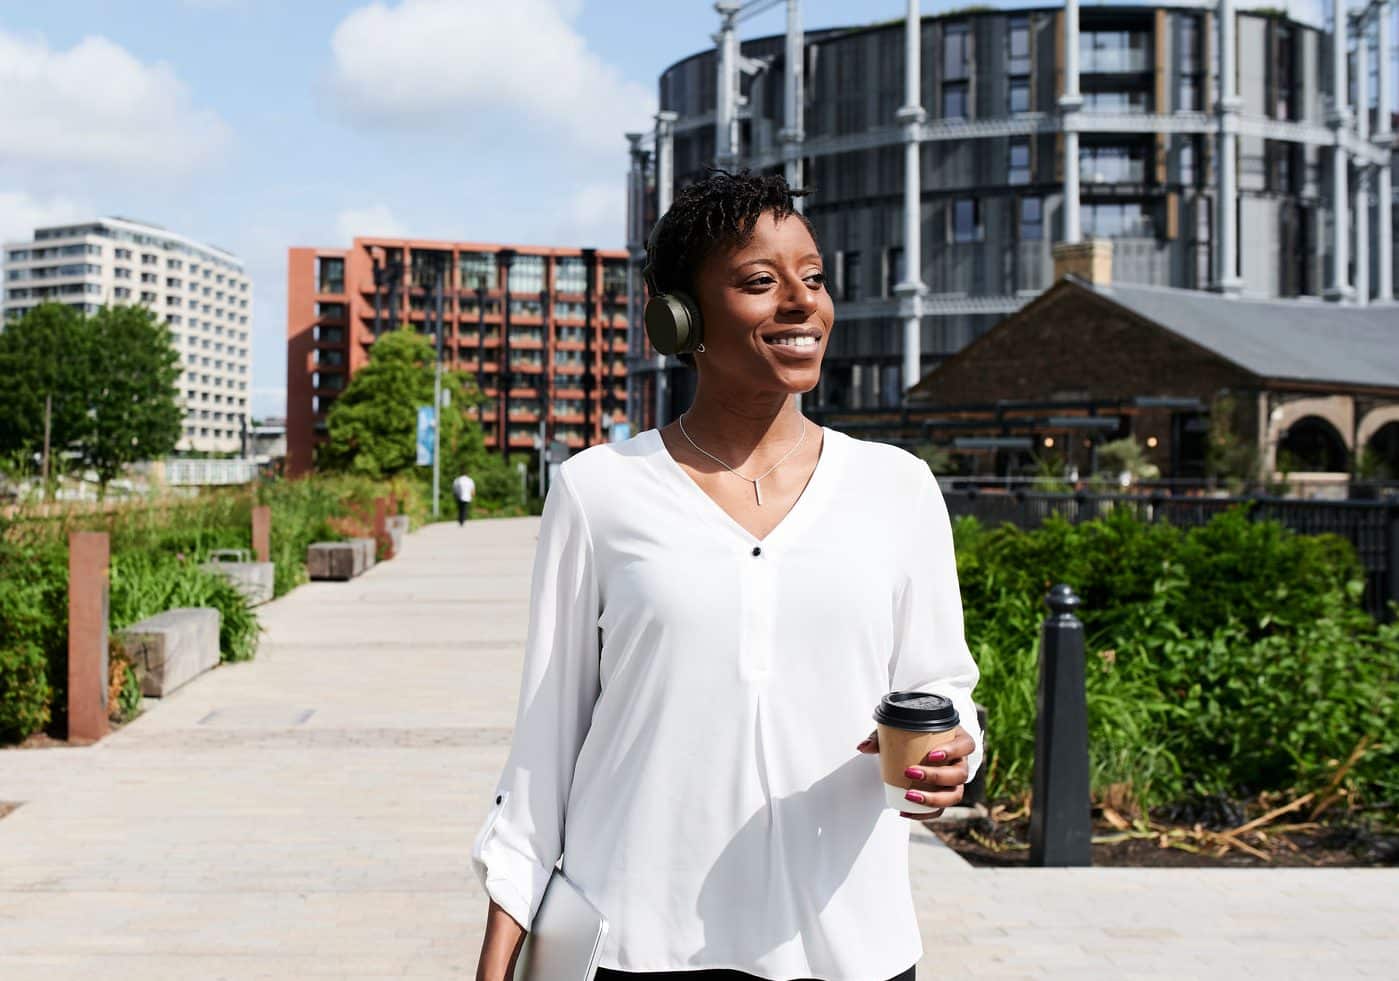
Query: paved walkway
point(310, 814)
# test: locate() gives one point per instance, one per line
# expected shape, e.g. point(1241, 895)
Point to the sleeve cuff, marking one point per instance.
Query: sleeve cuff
point(513, 880)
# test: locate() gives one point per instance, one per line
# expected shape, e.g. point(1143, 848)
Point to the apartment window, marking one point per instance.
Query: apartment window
point(965, 220)
point(149, 259)
point(122, 253)
point(148, 297)
point(1031, 219)
point(614, 277)
point(1019, 171)
point(121, 292)
point(173, 283)
point(850, 277)
point(173, 264)
point(1112, 164)
point(172, 301)
point(330, 275)
point(1284, 72)
point(1018, 46)
point(527, 274)
point(1019, 95)
point(526, 308)
point(330, 311)
point(1113, 51)
point(893, 268)
point(1117, 219)
point(571, 276)
point(1187, 161)
point(1188, 97)
point(956, 52)
point(954, 100)
point(149, 278)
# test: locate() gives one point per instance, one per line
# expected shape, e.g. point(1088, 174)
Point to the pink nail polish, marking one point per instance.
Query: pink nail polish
point(937, 756)
point(913, 773)
point(914, 796)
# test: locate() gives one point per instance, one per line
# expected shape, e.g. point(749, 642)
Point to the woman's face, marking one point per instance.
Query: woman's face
point(767, 315)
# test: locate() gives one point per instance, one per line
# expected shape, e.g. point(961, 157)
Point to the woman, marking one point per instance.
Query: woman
point(717, 608)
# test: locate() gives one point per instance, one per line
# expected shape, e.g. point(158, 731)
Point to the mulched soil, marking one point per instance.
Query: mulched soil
point(1003, 842)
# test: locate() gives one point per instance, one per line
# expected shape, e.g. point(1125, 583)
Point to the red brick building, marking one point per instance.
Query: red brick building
point(543, 329)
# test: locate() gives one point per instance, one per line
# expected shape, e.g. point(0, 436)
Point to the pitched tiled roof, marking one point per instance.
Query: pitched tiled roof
point(1300, 340)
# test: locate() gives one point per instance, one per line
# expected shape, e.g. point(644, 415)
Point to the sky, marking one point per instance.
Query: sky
point(258, 125)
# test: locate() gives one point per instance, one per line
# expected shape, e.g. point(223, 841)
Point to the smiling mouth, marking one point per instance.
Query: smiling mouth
point(797, 339)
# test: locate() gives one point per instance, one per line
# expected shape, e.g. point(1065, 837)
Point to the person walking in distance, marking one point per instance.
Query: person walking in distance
point(463, 489)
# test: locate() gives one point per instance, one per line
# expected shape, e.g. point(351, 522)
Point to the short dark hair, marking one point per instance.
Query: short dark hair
point(719, 211)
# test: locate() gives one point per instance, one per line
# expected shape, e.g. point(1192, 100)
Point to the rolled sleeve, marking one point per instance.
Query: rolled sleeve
point(931, 647)
point(522, 838)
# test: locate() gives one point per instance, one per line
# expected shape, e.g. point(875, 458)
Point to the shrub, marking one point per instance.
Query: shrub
point(1234, 658)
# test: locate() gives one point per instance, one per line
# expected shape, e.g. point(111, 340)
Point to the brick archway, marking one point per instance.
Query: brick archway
point(1338, 410)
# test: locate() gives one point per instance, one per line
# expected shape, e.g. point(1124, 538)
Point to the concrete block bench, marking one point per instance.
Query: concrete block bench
point(368, 553)
point(172, 648)
point(397, 527)
point(253, 579)
point(334, 560)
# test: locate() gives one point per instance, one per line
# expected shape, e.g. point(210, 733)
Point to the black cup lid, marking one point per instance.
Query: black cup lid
point(918, 711)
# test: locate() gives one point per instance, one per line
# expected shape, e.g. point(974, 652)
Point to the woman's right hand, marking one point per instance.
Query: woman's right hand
point(500, 947)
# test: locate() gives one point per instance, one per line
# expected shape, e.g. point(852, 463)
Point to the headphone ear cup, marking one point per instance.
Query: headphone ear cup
point(673, 323)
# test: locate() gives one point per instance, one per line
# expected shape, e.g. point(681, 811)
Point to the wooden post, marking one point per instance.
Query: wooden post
point(262, 533)
point(88, 554)
point(381, 527)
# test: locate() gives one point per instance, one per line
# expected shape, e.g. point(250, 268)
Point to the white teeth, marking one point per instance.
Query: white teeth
point(795, 341)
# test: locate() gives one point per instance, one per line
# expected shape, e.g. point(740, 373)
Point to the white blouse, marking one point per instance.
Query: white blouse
point(691, 701)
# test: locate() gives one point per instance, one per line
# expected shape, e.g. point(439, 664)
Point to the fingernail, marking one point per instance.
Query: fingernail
point(862, 744)
point(937, 756)
point(914, 796)
point(913, 773)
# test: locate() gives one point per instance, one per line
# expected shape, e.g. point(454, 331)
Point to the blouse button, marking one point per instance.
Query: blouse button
point(499, 798)
point(757, 551)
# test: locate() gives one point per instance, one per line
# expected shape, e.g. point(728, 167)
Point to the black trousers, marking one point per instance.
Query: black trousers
point(463, 511)
point(607, 974)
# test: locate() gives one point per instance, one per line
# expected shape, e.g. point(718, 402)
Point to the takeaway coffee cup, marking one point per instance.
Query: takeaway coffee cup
point(910, 724)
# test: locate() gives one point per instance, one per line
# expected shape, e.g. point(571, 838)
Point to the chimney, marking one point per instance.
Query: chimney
point(1090, 261)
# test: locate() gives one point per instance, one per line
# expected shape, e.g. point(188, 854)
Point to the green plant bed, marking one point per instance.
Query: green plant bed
point(1233, 659)
point(156, 550)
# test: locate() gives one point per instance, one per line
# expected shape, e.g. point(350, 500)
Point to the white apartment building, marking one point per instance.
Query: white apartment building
point(199, 290)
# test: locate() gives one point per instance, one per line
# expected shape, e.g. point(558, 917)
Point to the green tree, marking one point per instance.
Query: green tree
point(44, 356)
point(132, 398)
point(373, 424)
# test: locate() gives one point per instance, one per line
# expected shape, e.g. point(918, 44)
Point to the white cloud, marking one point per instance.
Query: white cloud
point(96, 106)
point(21, 213)
point(596, 215)
point(437, 63)
point(375, 220)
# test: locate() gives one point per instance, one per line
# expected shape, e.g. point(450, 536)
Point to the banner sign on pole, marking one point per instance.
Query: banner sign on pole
point(427, 422)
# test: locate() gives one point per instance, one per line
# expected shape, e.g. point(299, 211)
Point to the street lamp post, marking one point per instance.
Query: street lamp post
point(437, 277)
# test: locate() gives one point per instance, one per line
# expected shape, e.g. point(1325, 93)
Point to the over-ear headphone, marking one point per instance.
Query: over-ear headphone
point(672, 319)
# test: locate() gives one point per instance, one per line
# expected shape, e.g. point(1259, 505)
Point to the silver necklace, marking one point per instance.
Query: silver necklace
point(755, 481)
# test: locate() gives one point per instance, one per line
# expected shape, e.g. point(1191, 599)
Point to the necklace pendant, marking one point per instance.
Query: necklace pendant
point(758, 489)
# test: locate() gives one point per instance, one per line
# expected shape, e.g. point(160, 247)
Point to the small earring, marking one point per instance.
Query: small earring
point(700, 349)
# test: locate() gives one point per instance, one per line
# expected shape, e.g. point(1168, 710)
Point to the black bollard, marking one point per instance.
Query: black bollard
point(1061, 828)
